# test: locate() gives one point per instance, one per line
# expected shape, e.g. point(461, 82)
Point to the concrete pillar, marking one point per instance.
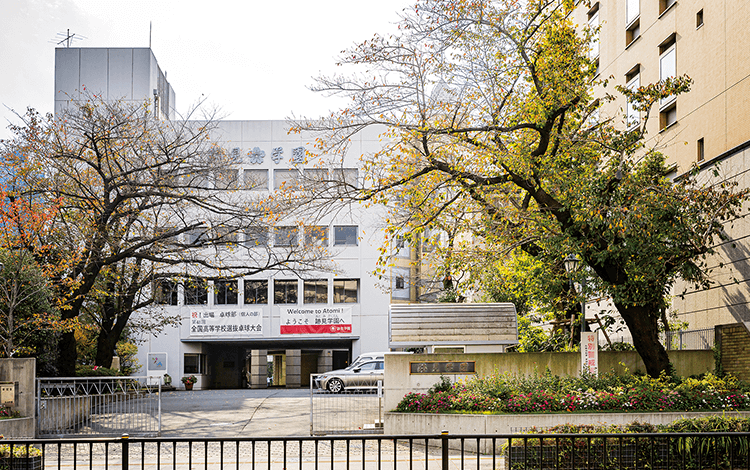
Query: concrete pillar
point(293, 368)
point(325, 361)
point(259, 368)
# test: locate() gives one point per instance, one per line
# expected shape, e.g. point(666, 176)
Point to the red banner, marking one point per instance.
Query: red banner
point(314, 329)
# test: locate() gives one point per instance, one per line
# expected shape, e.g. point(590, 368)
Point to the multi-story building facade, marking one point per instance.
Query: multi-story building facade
point(230, 327)
point(642, 42)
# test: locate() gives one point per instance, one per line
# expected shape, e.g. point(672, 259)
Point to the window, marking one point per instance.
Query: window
point(225, 235)
point(349, 176)
point(256, 180)
point(345, 291)
point(345, 235)
point(197, 237)
point(668, 116)
point(285, 291)
point(632, 10)
point(256, 292)
point(165, 292)
point(667, 64)
point(196, 291)
point(199, 179)
point(633, 32)
point(633, 115)
point(594, 25)
point(701, 150)
point(225, 292)
point(316, 175)
point(400, 283)
point(699, 19)
point(194, 364)
point(316, 291)
point(287, 179)
point(316, 236)
point(285, 236)
point(225, 179)
point(665, 5)
point(257, 236)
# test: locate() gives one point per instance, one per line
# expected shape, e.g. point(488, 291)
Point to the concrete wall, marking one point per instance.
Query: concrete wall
point(429, 423)
point(734, 343)
point(399, 381)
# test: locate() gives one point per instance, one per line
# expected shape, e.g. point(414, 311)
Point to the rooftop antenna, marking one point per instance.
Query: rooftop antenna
point(66, 38)
point(149, 35)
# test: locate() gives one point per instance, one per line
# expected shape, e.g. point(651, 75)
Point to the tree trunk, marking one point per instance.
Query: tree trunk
point(105, 346)
point(643, 325)
point(67, 358)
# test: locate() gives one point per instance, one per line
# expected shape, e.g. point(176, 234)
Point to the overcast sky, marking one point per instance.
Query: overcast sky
point(254, 59)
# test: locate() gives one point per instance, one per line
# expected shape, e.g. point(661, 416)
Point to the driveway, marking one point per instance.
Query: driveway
point(236, 413)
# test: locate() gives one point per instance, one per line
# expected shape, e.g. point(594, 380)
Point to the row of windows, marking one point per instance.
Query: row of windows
point(285, 291)
point(343, 235)
point(257, 179)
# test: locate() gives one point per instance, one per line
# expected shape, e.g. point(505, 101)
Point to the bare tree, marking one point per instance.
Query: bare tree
point(139, 200)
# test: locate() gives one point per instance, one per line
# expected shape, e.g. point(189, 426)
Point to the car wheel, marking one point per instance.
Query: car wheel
point(335, 386)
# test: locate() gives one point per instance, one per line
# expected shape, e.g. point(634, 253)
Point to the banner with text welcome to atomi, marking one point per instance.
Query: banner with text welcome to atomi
point(315, 320)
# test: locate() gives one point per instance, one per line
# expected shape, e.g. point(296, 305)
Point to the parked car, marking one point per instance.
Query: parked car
point(362, 375)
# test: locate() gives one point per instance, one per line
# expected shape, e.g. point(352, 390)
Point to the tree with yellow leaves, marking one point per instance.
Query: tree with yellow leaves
point(487, 109)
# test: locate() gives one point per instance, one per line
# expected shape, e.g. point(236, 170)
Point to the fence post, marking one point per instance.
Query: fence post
point(125, 451)
point(444, 440)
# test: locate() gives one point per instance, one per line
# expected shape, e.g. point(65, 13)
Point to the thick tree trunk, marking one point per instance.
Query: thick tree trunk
point(643, 324)
point(105, 347)
point(67, 358)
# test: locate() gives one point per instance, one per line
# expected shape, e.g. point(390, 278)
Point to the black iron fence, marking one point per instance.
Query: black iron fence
point(410, 452)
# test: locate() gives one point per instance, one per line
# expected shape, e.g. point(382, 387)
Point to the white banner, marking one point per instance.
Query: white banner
point(226, 323)
point(315, 320)
point(590, 352)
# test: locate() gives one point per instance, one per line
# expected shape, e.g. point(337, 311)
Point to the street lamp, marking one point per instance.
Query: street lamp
point(571, 265)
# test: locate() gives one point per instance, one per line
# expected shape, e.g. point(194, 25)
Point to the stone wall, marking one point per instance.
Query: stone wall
point(399, 380)
point(734, 344)
point(22, 372)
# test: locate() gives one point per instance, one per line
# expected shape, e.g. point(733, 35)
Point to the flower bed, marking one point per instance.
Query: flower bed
point(552, 394)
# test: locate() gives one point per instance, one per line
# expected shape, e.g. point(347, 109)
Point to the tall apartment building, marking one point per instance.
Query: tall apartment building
point(644, 41)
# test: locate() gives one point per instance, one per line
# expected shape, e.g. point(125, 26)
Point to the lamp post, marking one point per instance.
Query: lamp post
point(571, 265)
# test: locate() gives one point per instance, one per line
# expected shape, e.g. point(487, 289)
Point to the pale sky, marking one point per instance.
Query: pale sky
point(253, 59)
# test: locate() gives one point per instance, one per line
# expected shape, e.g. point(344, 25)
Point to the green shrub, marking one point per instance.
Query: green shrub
point(606, 392)
point(95, 371)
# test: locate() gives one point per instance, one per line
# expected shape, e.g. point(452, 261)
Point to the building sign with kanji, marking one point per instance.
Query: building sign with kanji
point(316, 320)
point(227, 323)
point(590, 352)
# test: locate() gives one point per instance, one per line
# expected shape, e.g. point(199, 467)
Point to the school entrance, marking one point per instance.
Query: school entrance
point(272, 364)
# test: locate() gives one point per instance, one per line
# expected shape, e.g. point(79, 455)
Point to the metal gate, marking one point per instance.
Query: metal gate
point(98, 406)
point(350, 411)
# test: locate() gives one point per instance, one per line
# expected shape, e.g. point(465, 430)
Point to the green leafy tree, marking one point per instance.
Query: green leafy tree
point(488, 107)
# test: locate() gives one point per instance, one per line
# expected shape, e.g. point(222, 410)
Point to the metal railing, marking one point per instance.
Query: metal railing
point(701, 339)
point(413, 452)
point(350, 411)
point(98, 406)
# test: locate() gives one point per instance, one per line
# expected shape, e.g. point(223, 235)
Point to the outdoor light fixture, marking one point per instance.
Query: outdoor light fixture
point(571, 263)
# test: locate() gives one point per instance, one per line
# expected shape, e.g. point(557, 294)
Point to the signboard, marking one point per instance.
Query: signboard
point(442, 367)
point(157, 361)
point(590, 352)
point(316, 320)
point(229, 323)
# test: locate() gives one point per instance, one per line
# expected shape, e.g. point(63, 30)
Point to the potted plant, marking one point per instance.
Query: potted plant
point(189, 380)
point(24, 457)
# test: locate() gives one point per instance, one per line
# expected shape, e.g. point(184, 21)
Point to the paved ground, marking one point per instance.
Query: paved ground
point(233, 413)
